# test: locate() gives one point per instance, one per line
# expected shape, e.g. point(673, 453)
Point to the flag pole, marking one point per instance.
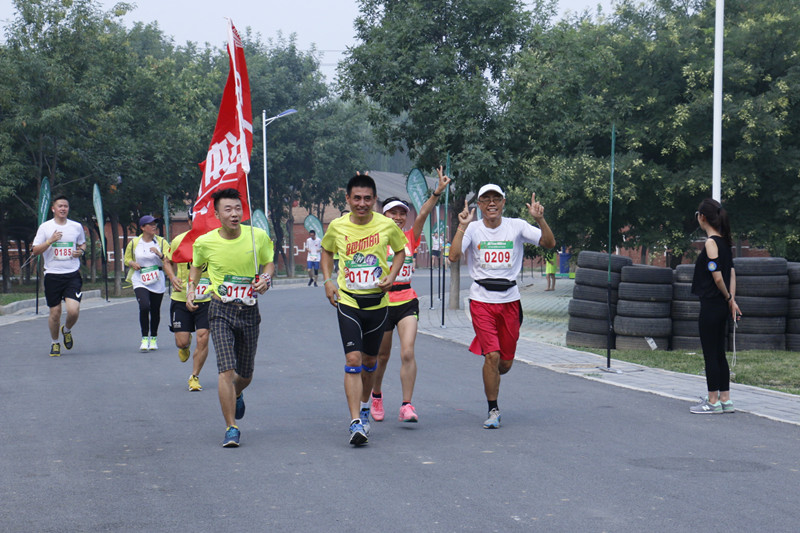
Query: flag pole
point(245, 157)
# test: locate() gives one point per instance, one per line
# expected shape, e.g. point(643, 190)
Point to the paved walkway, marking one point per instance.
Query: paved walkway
point(542, 344)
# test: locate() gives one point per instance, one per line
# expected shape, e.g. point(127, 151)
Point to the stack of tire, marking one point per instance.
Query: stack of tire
point(589, 308)
point(793, 315)
point(762, 292)
point(685, 311)
point(644, 307)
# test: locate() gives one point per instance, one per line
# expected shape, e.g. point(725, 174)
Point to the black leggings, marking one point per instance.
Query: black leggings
point(713, 326)
point(149, 311)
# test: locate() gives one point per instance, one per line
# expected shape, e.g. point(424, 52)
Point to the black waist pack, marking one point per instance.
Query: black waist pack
point(496, 284)
point(365, 300)
point(400, 287)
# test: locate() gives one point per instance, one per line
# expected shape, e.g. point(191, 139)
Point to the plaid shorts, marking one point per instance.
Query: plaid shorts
point(234, 332)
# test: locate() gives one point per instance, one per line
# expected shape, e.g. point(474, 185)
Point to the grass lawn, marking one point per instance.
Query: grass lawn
point(778, 371)
point(28, 292)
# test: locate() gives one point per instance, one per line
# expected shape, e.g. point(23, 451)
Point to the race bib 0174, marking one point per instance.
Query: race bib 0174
point(237, 289)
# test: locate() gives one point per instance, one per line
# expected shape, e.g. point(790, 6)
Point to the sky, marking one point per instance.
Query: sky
point(327, 24)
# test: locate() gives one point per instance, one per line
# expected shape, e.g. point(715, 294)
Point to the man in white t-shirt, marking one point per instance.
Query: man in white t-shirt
point(61, 242)
point(494, 250)
point(314, 251)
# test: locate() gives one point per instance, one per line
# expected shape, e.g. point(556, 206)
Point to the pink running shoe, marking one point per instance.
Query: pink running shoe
point(377, 408)
point(407, 413)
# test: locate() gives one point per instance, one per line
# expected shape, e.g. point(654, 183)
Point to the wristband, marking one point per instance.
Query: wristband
point(327, 280)
point(730, 297)
point(436, 195)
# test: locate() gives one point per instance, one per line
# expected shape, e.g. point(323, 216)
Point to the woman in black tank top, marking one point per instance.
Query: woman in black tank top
point(715, 284)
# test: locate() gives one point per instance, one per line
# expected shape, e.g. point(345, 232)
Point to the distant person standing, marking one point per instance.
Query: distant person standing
point(313, 250)
point(145, 256)
point(550, 271)
point(715, 284)
point(436, 247)
point(494, 247)
point(183, 322)
point(61, 242)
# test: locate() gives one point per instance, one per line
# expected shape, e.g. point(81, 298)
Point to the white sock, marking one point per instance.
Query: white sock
point(66, 329)
point(365, 405)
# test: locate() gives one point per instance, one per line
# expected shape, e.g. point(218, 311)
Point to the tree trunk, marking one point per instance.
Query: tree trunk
point(276, 225)
point(643, 260)
point(6, 259)
point(21, 259)
point(27, 256)
point(93, 256)
point(118, 259)
point(290, 241)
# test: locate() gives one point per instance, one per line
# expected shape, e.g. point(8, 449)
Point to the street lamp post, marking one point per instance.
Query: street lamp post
point(265, 122)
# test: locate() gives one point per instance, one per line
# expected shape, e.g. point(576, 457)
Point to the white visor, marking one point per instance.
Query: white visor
point(395, 203)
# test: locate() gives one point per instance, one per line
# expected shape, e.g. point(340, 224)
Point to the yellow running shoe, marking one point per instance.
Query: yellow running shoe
point(194, 383)
point(55, 350)
point(184, 353)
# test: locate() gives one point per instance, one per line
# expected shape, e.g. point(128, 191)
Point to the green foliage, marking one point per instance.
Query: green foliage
point(649, 70)
point(431, 70)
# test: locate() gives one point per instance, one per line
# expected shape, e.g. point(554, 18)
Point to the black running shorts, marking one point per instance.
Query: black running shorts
point(59, 287)
point(399, 312)
point(361, 330)
point(181, 319)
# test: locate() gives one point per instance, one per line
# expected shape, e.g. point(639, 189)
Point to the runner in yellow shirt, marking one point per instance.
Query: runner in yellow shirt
point(361, 238)
point(233, 314)
point(183, 321)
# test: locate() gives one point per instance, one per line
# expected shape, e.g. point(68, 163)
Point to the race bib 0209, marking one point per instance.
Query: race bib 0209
point(62, 251)
point(362, 272)
point(237, 289)
point(495, 255)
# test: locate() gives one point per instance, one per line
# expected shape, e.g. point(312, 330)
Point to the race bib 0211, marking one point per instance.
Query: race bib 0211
point(149, 274)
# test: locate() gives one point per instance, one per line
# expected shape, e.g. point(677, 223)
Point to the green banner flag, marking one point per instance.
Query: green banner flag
point(312, 223)
point(98, 212)
point(417, 188)
point(44, 200)
point(259, 220)
point(166, 218)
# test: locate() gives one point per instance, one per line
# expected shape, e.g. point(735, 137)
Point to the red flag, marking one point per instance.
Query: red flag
point(228, 161)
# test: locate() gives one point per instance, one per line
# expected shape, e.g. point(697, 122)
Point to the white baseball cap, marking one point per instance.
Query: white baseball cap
point(491, 187)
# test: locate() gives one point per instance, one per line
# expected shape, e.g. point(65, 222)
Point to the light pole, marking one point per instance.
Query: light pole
point(266, 121)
